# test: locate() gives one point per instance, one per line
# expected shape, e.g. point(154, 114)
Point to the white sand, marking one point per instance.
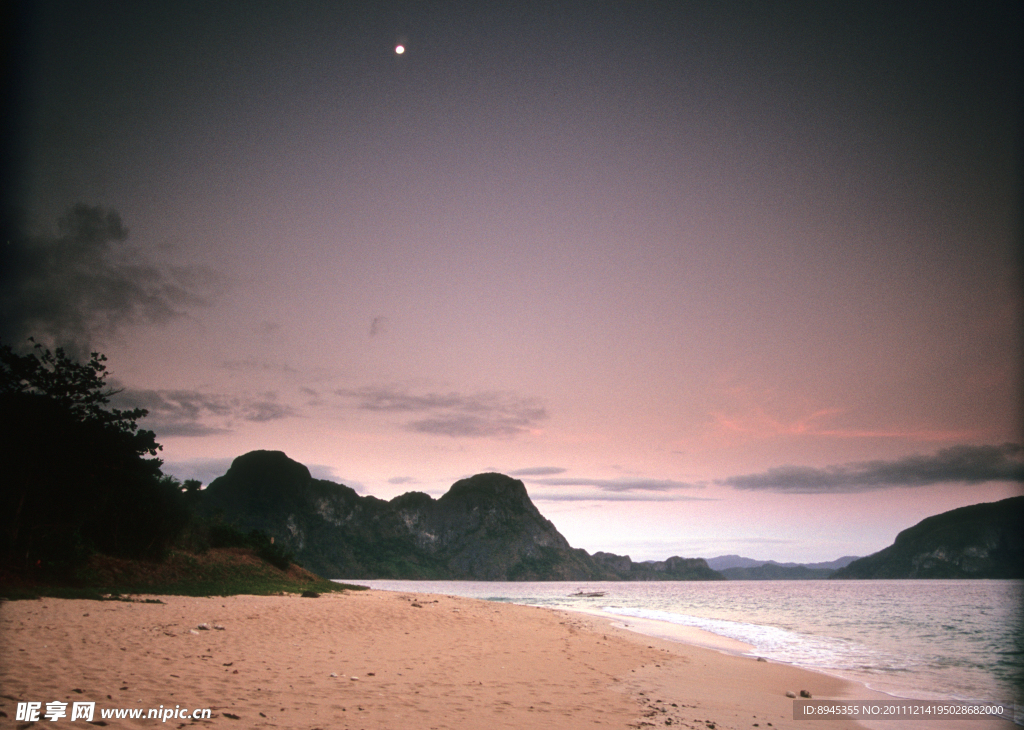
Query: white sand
point(400, 660)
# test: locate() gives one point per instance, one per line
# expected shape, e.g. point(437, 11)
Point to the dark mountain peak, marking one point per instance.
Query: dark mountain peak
point(260, 480)
point(488, 490)
point(412, 500)
point(268, 466)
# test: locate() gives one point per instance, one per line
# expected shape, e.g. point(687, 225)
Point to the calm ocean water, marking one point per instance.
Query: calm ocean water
point(921, 639)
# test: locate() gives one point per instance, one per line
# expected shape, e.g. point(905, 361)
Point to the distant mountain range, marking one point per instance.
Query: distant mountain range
point(723, 562)
point(735, 567)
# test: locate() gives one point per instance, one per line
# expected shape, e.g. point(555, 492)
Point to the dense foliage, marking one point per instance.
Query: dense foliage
point(77, 477)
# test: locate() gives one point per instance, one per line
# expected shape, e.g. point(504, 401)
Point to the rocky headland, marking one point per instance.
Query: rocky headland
point(979, 541)
point(485, 527)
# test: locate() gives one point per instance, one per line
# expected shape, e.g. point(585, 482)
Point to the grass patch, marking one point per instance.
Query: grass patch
point(216, 572)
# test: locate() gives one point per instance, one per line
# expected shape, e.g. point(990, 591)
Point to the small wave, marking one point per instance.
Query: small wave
point(782, 645)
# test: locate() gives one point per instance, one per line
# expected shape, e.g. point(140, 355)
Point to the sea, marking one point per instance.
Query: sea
point(917, 639)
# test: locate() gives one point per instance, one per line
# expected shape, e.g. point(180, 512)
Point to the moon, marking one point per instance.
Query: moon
point(399, 49)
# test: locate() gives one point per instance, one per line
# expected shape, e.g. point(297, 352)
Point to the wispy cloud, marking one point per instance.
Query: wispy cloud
point(473, 415)
point(705, 546)
point(958, 464)
point(591, 495)
point(313, 397)
point(251, 365)
point(265, 409)
point(195, 413)
point(537, 471)
point(84, 282)
point(624, 484)
point(622, 489)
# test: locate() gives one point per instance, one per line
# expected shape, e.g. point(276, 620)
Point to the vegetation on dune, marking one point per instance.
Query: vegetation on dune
point(215, 572)
point(78, 477)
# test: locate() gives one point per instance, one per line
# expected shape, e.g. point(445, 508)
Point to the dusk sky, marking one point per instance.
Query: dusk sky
point(709, 277)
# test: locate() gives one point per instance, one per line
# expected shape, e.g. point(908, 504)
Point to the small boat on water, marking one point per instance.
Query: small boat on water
point(587, 594)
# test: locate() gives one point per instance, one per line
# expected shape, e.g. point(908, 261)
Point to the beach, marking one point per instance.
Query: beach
point(378, 659)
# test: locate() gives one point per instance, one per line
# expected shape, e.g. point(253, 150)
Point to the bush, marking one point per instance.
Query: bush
point(75, 477)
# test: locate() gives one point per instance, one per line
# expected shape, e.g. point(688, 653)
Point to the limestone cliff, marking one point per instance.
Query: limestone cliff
point(485, 527)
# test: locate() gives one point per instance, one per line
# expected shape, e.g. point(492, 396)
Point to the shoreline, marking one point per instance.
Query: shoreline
point(383, 659)
point(854, 690)
point(674, 632)
point(921, 673)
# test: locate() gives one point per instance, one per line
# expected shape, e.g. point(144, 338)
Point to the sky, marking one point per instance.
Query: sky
point(709, 277)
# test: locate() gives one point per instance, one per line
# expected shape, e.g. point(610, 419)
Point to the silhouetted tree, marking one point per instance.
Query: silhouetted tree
point(74, 475)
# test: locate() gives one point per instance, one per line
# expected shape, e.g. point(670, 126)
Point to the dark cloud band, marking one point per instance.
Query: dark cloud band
point(194, 413)
point(620, 485)
point(956, 464)
point(458, 415)
point(69, 288)
point(537, 471)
